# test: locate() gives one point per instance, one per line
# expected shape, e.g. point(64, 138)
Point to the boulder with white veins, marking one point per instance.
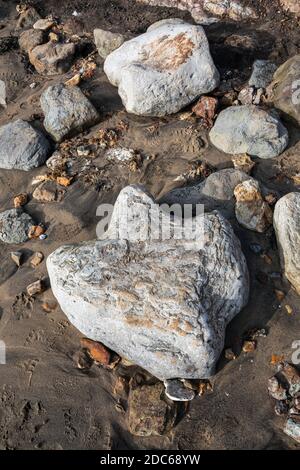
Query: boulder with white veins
point(162, 304)
point(163, 70)
point(287, 229)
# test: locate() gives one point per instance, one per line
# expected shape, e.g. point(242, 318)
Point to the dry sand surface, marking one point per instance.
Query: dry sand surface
point(46, 402)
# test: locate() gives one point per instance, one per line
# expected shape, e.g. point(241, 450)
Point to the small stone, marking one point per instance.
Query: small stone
point(17, 256)
point(176, 391)
point(83, 151)
point(67, 111)
point(27, 18)
point(35, 231)
point(48, 192)
point(52, 58)
point(246, 95)
point(251, 130)
point(292, 427)
point(43, 236)
point(149, 413)
point(44, 24)
point(64, 180)
point(22, 147)
point(20, 200)
point(36, 287)
point(2, 94)
point(281, 408)
point(206, 109)
point(243, 163)
point(249, 346)
point(14, 226)
point(229, 355)
point(267, 259)
point(276, 390)
point(204, 387)
point(121, 154)
point(106, 41)
point(276, 359)
point(251, 211)
point(36, 259)
point(262, 73)
point(30, 39)
point(98, 352)
point(291, 376)
point(74, 81)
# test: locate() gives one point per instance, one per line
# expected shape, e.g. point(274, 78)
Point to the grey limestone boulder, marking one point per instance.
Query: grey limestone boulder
point(163, 70)
point(161, 303)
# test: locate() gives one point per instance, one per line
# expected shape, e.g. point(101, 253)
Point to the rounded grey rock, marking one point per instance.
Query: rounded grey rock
point(249, 129)
point(22, 147)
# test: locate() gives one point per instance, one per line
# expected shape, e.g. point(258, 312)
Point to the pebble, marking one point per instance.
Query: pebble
point(17, 256)
point(35, 288)
point(276, 390)
point(262, 73)
point(20, 200)
point(176, 391)
point(98, 352)
point(36, 259)
point(251, 211)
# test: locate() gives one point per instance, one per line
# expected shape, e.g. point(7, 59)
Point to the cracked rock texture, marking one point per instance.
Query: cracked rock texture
point(287, 228)
point(162, 304)
point(163, 70)
point(14, 226)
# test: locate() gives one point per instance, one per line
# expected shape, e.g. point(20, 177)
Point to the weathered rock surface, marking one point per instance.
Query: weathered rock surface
point(176, 391)
point(167, 21)
point(292, 427)
point(216, 192)
point(262, 73)
point(251, 211)
point(2, 94)
point(14, 226)
point(199, 9)
point(47, 192)
point(43, 24)
point(22, 147)
point(52, 58)
point(106, 41)
point(27, 18)
point(285, 88)
point(163, 70)
point(128, 294)
point(291, 5)
point(287, 228)
point(67, 111)
point(30, 39)
point(150, 413)
point(249, 129)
